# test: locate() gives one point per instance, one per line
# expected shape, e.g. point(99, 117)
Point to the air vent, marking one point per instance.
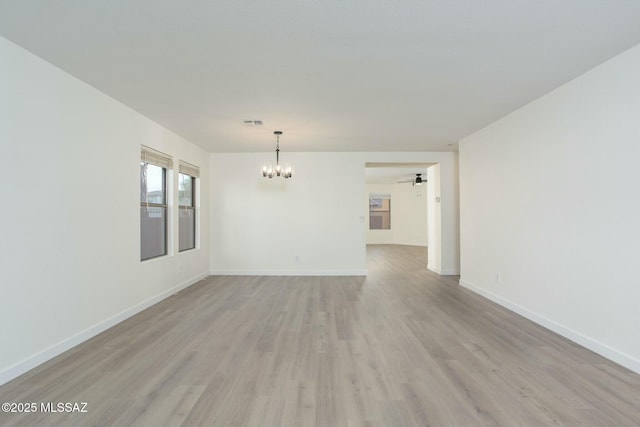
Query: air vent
point(252, 122)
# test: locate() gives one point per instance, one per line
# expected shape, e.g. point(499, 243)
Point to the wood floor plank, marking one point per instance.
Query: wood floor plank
point(401, 347)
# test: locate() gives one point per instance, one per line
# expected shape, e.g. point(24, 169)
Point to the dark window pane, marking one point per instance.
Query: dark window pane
point(185, 190)
point(152, 187)
point(187, 228)
point(153, 231)
point(379, 214)
point(379, 205)
point(379, 221)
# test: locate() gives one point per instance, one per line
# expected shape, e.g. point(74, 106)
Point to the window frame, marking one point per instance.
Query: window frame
point(191, 207)
point(387, 211)
point(150, 157)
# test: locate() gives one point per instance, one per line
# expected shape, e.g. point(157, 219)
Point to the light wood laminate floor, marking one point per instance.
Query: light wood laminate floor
point(402, 347)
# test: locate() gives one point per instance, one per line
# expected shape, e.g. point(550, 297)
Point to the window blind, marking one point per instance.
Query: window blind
point(155, 157)
point(189, 169)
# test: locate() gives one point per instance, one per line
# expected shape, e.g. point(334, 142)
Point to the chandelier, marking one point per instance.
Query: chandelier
point(285, 171)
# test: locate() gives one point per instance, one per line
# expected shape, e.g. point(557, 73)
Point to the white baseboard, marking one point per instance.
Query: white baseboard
point(288, 272)
point(443, 272)
point(610, 353)
point(49, 353)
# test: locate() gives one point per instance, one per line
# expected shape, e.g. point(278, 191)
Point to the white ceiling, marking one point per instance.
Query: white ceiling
point(374, 75)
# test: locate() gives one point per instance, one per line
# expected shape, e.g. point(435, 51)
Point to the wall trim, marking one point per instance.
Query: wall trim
point(356, 272)
point(49, 353)
point(610, 353)
point(443, 272)
point(434, 268)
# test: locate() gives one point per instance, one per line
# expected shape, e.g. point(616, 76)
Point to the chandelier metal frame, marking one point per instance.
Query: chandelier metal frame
point(270, 171)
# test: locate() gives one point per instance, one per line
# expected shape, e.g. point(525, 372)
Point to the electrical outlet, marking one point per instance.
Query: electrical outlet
point(498, 277)
point(297, 259)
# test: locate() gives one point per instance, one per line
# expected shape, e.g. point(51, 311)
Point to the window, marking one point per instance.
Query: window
point(187, 206)
point(153, 203)
point(187, 211)
point(379, 212)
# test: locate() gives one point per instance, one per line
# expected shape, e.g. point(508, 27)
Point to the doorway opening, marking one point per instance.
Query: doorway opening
point(401, 207)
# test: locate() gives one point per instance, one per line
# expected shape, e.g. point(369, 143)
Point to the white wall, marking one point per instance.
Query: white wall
point(259, 226)
point(408, 215)
point(70, 247)
point(549, 201)
point(434, 219)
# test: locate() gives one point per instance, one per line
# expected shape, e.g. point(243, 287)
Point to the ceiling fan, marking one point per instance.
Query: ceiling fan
point(416, 181)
